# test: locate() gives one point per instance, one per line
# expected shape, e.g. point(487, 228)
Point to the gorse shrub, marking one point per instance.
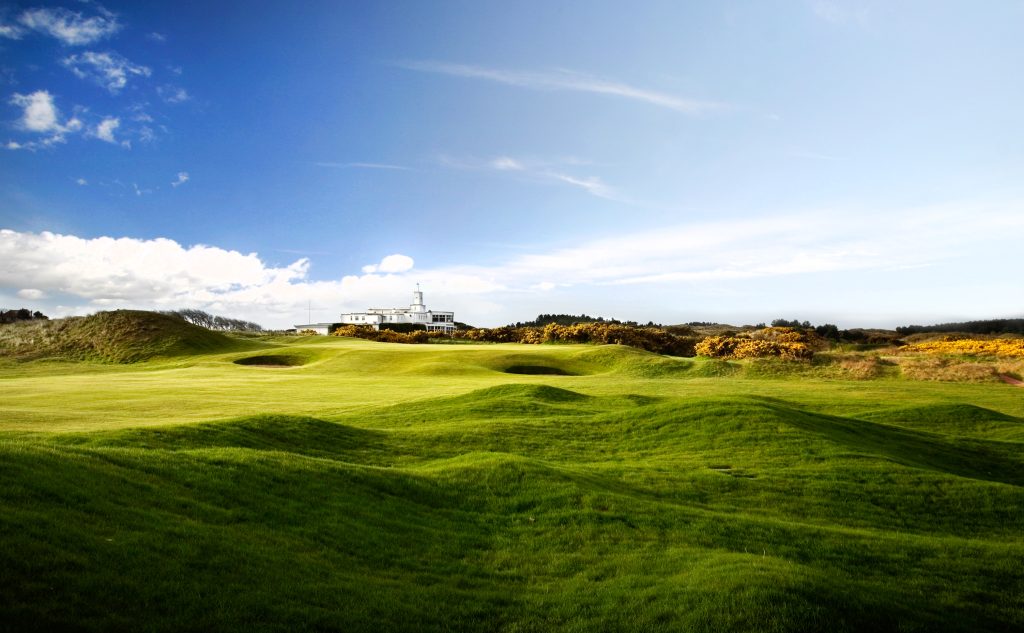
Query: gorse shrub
point(1006, 347)
point(736, 347)
point(385, 336)
point(782, 342)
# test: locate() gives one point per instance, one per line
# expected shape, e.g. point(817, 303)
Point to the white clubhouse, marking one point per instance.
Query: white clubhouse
point(415, 314)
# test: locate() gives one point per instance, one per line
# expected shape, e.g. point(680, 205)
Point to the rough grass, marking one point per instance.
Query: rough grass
point(121, 336)
point(422, 488)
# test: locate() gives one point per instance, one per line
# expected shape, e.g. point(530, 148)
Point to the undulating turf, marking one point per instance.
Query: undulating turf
point(348, 485)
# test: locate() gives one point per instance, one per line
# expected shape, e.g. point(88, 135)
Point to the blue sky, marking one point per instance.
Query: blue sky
point(849, 162)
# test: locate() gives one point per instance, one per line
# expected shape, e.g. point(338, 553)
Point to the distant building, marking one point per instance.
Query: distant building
point(415, 314)
point(319, 328)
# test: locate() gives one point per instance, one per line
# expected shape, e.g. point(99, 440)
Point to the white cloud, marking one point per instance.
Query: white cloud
point(173, 94)
point(104, 273)
point(182, 179)
point(11, 31)
point(592, 185)
point(391, 264)
point(157, 37)
point(504, 163)
point(41, 116)
point(32, 294)
point(40, 113)
point(566, 80)
point(109, 69)
point(131, 269)
point(769, 247)
point(70, 27)
point(541, 171)
point(82, 181)
point(807, 256)
point(105, 129)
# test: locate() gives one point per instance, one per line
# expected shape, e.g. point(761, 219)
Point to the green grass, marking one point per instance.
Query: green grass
point(363, 486)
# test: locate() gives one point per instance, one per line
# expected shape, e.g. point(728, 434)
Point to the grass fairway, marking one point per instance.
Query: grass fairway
point(336, 484)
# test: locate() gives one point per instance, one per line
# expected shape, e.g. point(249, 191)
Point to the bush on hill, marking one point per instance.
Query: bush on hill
point(783, 342)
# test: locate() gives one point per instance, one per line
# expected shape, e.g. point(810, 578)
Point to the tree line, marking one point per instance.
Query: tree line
point(562, 319)
point(214, 322)
point(21, 314)
point(989, 326)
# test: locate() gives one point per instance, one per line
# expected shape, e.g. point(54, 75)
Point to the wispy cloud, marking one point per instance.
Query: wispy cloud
point(11, 31)
point(566, 80)
point(70, 27)
point(504, 163)
point(592, 185)
point(182, 179)
point(173, 94)
point(542, 171)
point(362, 166)
point(109, 69)
point(769, 247)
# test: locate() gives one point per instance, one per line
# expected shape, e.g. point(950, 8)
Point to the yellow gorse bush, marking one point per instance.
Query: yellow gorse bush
point(735, 347)
point(384, 335)
point(972, 347)
point(781, 342)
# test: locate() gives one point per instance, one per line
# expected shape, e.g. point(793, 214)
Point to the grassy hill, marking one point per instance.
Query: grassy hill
point(121, 336)
point(357, 486)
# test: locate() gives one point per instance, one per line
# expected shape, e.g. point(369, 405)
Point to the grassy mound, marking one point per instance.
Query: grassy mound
point(541, 361)
point(634, 362)
point(121, 336)
point(283, 433)
point(954, 419)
